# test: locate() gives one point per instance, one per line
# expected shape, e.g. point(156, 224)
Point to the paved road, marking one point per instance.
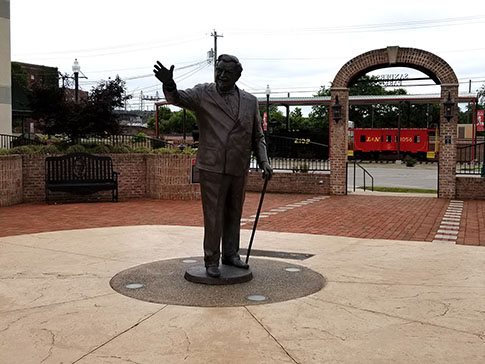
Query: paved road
point(390, 175)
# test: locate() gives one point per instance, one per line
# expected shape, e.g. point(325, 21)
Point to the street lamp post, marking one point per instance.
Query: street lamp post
point(268, 92)
point(75, 69)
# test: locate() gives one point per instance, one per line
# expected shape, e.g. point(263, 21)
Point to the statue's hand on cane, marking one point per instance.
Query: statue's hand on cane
point(267, 170)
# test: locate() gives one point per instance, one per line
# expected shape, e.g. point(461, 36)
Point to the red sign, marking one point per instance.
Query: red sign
point(265, 122)
point(480, 116)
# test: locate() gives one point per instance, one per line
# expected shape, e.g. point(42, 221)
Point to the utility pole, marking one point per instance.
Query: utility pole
point(215, 35)
point(149, 98)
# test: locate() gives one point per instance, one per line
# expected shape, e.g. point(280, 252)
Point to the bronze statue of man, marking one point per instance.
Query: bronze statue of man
point(229, 129)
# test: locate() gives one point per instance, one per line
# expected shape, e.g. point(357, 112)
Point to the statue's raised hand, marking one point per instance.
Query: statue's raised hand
point(163, 74)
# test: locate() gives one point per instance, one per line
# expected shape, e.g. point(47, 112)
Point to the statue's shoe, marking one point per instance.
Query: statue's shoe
point(236, 262)
point(213, 272)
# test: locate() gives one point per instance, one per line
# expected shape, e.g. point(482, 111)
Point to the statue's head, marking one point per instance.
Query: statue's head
point(228, 71)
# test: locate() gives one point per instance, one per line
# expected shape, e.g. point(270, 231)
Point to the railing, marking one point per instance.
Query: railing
point(297, 154)
point(134, 141)
point(300, 164)
point(11, 141)
point(470, 158)
point(365, 171)
point(295, 165)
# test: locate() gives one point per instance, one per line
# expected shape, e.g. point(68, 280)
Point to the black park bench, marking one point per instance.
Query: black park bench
point(80, 173)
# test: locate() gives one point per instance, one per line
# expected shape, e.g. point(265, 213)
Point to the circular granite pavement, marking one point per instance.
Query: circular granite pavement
point(163, 282)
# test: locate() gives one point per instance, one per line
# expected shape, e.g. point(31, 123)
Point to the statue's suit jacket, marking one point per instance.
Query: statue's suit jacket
point(225, 139)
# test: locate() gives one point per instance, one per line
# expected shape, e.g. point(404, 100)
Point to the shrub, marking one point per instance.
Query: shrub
point(3, 151)
point(139, 138)
point(23, 149)
point(62, 146)
point(300, 168)
point(188, 151)
point(50, 139)
point(76, 148)
point(164, 151)
point(157, 144)
point(102, 149)
point(46, 149)
point(141, 150)
point(121, 148)
point(410, 161)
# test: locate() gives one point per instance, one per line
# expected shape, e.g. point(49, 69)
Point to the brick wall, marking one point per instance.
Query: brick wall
point(132, 179)
point(33, 171)
point(133, 174)
point(291, 183)
point(10, 180)
point(165, 176)
point(470, 188)
point(169, 177)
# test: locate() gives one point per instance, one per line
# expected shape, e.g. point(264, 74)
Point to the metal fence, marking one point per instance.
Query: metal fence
point(470, 158)
point(296, 155)
point(294, 164)
point(12, 141)
point(134, 141)
point(300, 164)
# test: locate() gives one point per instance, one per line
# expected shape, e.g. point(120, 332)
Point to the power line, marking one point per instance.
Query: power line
point(394, 26)
point(139, 68)
point(179, 78)
point(128, 49)
point(176, 69)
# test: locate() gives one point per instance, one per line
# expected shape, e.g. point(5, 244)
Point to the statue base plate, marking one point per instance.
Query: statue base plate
point(229, 275)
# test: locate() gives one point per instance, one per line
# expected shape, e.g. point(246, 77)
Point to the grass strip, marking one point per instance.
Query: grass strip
point(400, 189)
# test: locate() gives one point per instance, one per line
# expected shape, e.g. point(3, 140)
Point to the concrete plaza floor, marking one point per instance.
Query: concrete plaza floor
point(384, 301)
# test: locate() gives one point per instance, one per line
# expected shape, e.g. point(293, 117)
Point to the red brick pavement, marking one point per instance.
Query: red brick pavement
point(360, 216)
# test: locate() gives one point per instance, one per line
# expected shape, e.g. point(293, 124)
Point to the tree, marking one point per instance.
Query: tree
point(408, 115)
point(318, 118)
point(93, 116)
point(481, 96)
point(97, 115)
point(276, 120)
point(176, 122)
point(297, 120)
point(164, 115)
point(55, 114)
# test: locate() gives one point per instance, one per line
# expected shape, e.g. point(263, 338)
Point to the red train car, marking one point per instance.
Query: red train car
point(384, 142)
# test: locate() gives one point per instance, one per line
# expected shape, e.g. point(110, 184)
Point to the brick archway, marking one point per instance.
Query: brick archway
point(430, 64)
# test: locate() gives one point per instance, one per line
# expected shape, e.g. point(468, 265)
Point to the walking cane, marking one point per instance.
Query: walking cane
point(266, 178)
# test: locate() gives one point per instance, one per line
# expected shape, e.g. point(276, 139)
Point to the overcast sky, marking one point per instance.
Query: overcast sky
point(294, 46)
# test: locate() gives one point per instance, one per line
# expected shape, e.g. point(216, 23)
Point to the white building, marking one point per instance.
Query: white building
point(5, 78)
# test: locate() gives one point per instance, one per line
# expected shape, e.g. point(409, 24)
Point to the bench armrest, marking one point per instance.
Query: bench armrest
point(115, 175)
